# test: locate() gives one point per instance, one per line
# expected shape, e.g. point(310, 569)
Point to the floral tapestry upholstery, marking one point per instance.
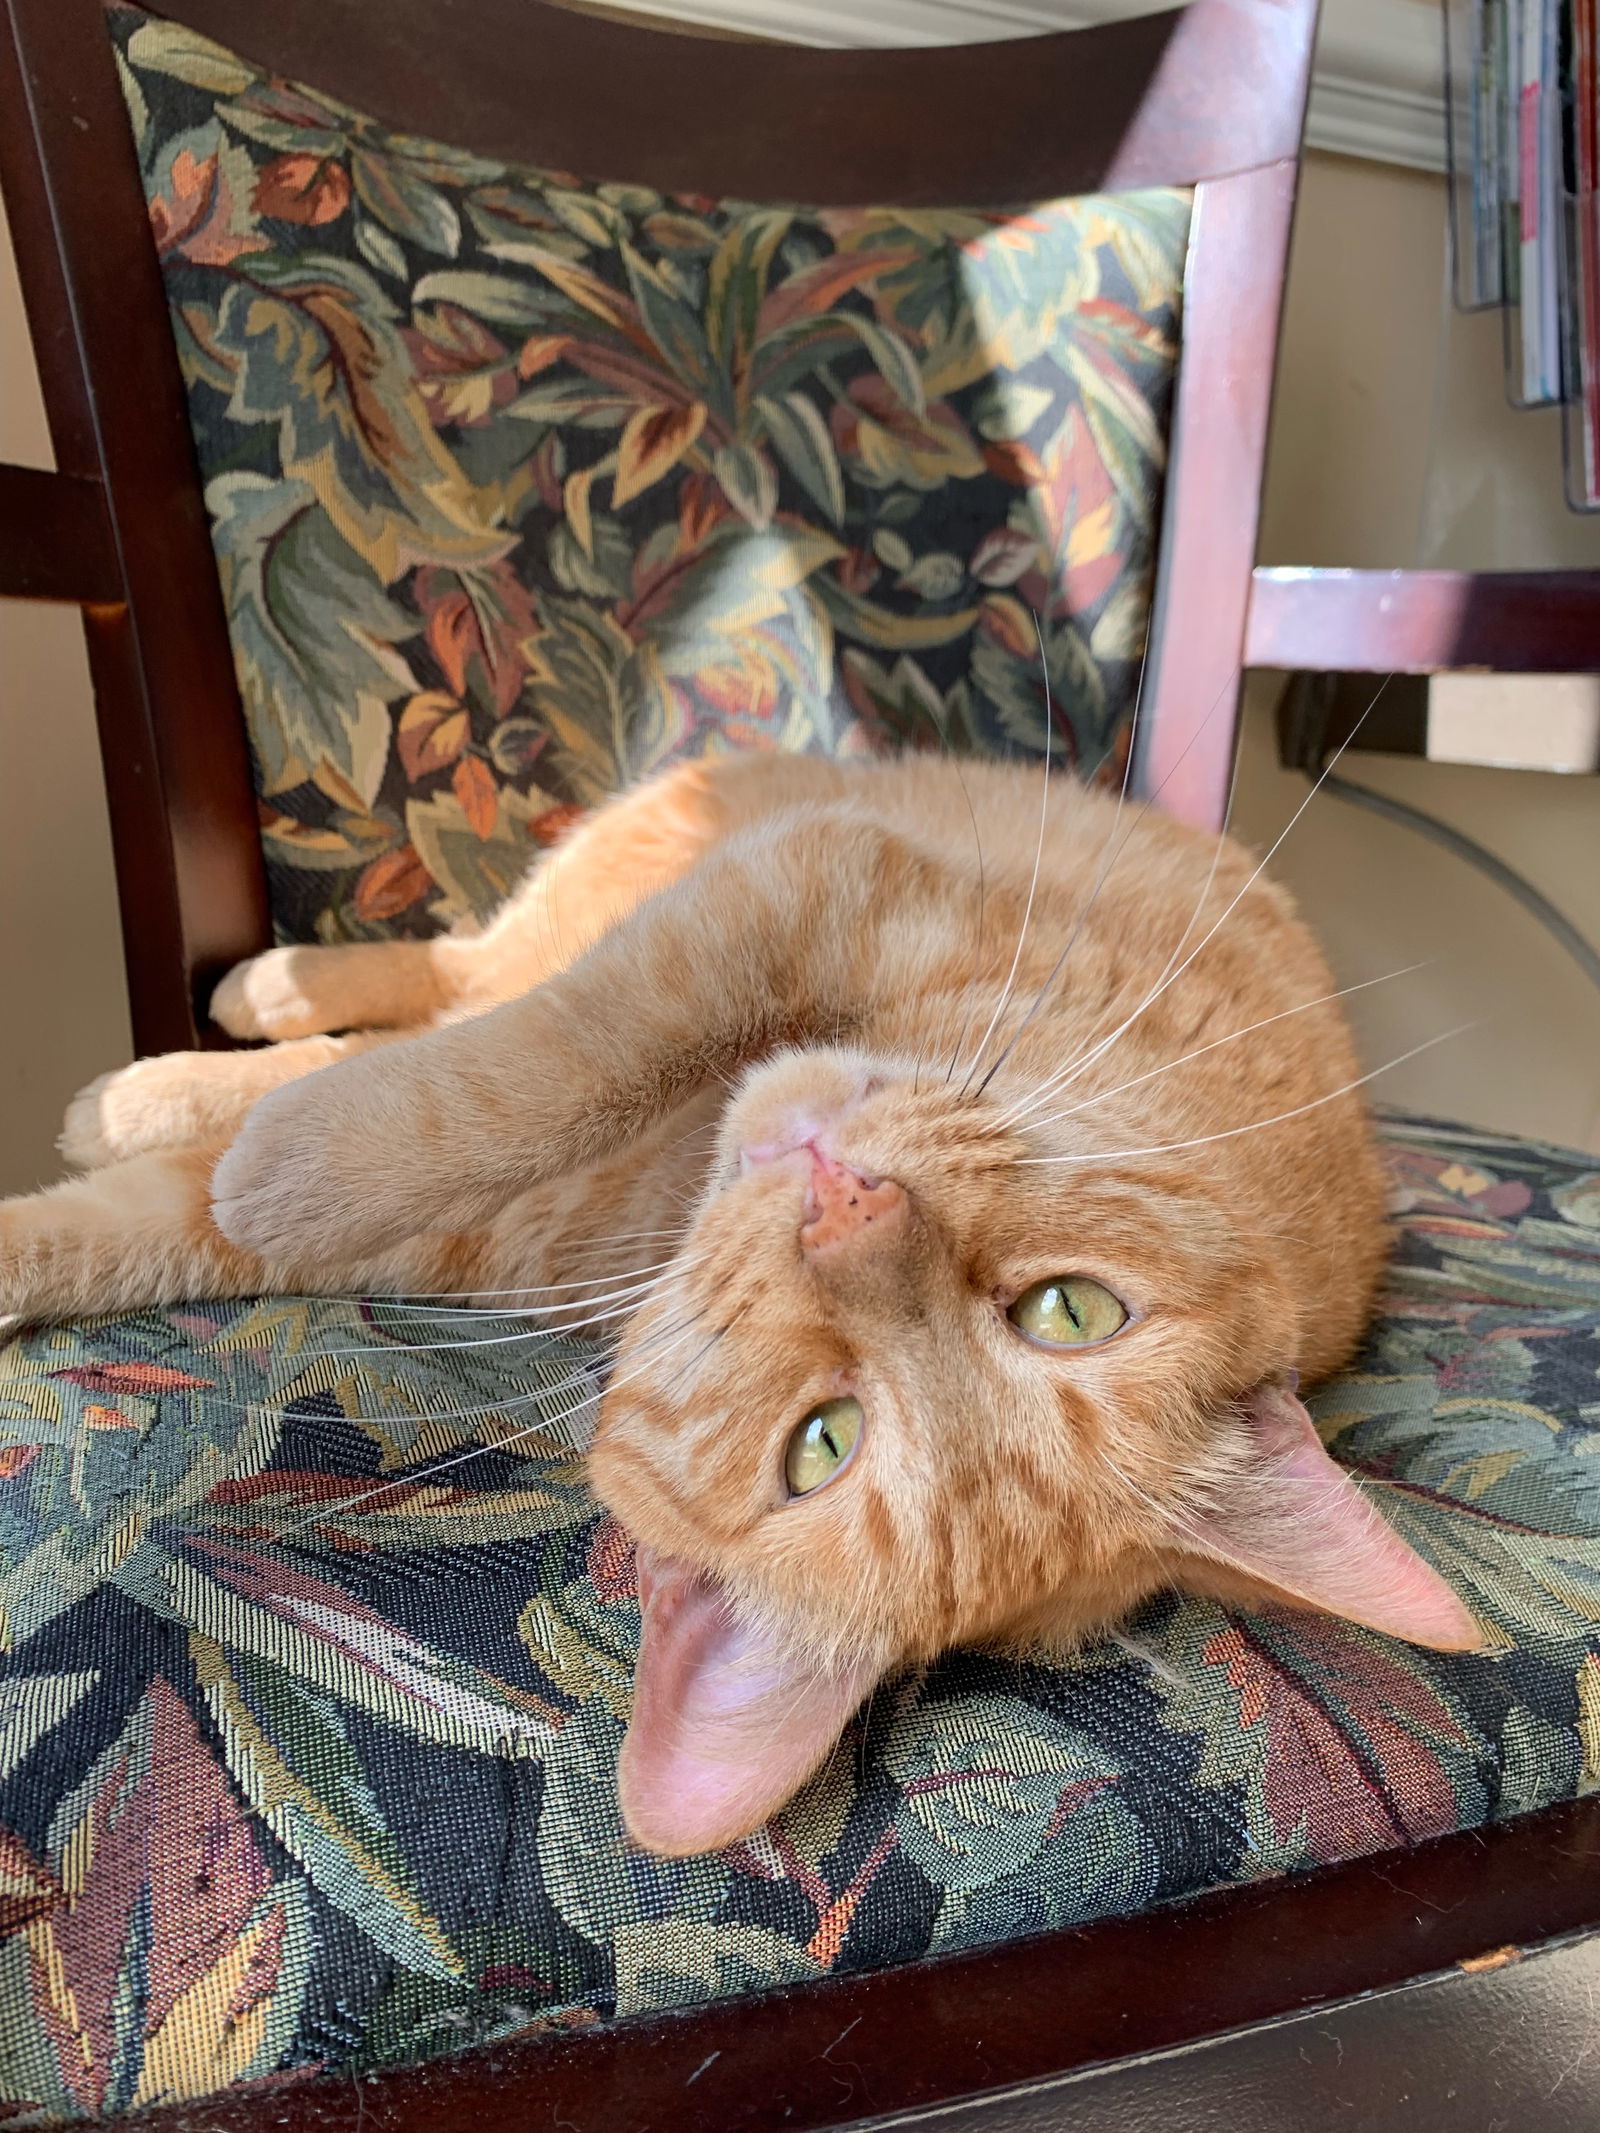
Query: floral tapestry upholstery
point(522, 486)
point(319, 1659)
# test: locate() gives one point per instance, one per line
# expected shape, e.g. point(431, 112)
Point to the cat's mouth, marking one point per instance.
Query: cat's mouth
point(726, 1724)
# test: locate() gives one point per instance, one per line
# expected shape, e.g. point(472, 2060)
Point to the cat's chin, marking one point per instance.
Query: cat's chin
point(726, 1723)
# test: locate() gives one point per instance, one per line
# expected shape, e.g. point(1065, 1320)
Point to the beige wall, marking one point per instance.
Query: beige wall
point(63, 1004)
point(1391, 444)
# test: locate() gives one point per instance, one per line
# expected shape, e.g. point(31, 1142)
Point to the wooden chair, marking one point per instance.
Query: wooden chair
point(1111, 108)
point(1210, 96)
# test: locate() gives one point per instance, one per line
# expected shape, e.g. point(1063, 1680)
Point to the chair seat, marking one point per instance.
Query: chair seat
point(319, 1660)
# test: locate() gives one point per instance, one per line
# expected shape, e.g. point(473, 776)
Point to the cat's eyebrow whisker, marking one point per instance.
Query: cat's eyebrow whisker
point(1090, 1052)
point(1170, 977)
point(492, 1340)
point(1201, 1140)
point(1038, 856)
point(502, 1444)
point(977, 931)
point(1322, 1000)
point(490, 1407)
point(1108, 857)
point(1054, 1081)
point(309, 1357)
point(706, 1348)
point(1132, 830)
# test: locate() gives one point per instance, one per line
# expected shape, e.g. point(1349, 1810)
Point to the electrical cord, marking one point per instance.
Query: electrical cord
point(1538, 906)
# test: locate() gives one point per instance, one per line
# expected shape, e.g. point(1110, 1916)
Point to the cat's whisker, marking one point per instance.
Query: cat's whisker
point(544, 1331)
point(422, 1413)
point(595, 1247)
point(1082, 1060)
point(446, 1296)
point(1062, 1076)
point(630, 1293)
point(1202, 1140)
point(1038, 856)
point(479, 1451)
point(627, 1301)
point(619, 1236)
point(1343, 992)
point(1167, 1514)
point(1170, 977)
point(452, 1414)
point(1158, 1666)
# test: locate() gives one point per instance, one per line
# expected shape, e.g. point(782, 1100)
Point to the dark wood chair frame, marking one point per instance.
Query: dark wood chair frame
point(1211, 96)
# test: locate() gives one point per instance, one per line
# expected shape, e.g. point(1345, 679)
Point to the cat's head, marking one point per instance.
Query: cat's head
point(911, 1387)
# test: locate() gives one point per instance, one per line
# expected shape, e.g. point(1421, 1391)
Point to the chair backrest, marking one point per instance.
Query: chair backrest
point(521, 481)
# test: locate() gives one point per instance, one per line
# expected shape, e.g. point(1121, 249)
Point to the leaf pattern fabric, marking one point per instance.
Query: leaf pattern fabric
point(317, 1653)
point(318, 1656)
point(523, 486)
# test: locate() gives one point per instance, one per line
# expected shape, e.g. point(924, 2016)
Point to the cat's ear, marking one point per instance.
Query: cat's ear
point(725, 1727)
point(1297, 1530)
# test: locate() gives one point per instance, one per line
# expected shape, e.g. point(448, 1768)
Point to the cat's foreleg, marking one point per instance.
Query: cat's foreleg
point(140, 1233)
point(188, 1099)
point(289, 993)
point(774, 937)
point(594, 876)
point(122, 1237)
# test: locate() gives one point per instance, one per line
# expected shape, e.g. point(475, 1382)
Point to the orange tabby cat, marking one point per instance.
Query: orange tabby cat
point(1004, 1167)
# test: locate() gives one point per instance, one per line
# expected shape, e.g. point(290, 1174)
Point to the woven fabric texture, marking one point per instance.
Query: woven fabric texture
point(318, 1654)
point(319, 1659)
point(521, 486)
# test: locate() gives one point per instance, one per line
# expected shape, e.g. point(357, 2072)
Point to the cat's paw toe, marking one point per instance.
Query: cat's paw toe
point(83, 1139)
point(135, 1110)
point(292, 1185)
point(269, 997)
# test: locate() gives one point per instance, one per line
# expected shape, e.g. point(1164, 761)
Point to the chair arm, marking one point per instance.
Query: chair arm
point(1424, 621)
point(55, 539)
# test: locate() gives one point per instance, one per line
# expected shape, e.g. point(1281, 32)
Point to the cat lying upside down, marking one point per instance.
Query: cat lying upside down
point(996, 1164)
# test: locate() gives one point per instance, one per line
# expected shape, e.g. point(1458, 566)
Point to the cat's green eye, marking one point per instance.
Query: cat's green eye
point(821, 1445)
point(1068, 1311)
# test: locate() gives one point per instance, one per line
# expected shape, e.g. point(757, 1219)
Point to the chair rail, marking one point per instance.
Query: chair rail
point(1167, 99)
point(55, 538)
point(190, 877)
point(1425, 621)
point(939, 2033)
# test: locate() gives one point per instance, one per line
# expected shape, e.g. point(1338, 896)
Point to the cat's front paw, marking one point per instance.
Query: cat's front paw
point(316, 1174)
point(155, 1103)
point(273, 996)
point(87, 1138)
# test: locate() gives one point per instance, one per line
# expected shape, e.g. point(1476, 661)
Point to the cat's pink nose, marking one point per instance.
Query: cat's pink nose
point(843, 1206)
